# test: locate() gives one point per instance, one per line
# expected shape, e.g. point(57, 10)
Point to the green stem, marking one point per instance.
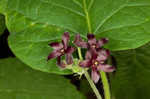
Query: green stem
point(89, 79)
point(103, 74)
point(105, 85)
point(92, 85)
point(80, 54)
point(87, 16)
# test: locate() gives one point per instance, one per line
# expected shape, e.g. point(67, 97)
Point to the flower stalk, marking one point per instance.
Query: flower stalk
point(105, 85)
point(103, 74)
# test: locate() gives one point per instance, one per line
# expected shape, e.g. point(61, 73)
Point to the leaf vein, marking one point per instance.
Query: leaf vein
point(77, 3)
point(66, 8)
point(108, 17)
point(90, 5)
point(122, 26)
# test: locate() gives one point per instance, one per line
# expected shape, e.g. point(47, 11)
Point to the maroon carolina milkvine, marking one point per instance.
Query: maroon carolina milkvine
point(92, 42)
point(96, 61)
point(95, 58)
point(61, 49)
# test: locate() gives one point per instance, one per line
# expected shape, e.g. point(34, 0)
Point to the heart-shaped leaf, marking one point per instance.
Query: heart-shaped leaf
point(33, 47)
point(21, 82)
point(131, 80)
point(34, 23)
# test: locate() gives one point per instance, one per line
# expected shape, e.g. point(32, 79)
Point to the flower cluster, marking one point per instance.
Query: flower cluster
point(95, 57)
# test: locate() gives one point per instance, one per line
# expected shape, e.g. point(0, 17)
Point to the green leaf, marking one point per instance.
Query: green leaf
point(30, 43)
point(2, 24)
point(21, 82)
point(123, 21)
point(131, 80)
point(34, 23)
point(34, 51)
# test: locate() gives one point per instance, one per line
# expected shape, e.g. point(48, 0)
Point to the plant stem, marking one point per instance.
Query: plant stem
point(105, 85)
point(92, 85)
point(103, 74)
point(87, 16)
point(80, 54)
point(89, 79)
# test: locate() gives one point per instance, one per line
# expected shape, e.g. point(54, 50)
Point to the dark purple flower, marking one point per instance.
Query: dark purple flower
point(79, 42)
point(61, 49)
point(96, 60)
point(92, 42)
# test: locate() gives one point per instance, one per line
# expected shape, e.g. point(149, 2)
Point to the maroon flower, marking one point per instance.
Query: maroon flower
point(96, 60)
point(61, 49)
point(92, 42)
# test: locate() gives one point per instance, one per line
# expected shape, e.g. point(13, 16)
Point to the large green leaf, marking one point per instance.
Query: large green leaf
point(131, 80)
point(34, 23)
point(30, 51)
point(2, 24)
point(17, 81)
point(123, 21)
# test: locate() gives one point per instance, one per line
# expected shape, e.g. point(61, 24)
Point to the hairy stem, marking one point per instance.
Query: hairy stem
point(105, 85)
point(89, 79)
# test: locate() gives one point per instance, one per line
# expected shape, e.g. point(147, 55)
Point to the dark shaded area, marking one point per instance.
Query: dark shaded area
point(74, 80)
point(77, 82)
point(4, 49)
point(114, 63)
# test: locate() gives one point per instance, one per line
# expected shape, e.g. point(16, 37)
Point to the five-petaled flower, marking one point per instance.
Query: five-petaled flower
point(96, 61)
point(61, 49)
point(92, 42)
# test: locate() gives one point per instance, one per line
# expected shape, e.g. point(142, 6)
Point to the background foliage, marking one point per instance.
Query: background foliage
point(131, 80)
point(19, 81)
